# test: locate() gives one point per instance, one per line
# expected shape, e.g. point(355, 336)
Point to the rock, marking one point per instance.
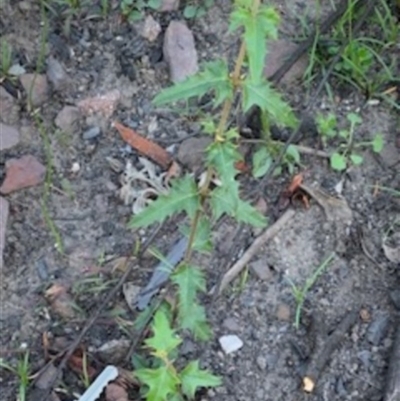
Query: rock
point(39, 92)
point(56, 74)
point(21, 173)
point(261, 362)
point(9, 108)
point(131, 292)
point(378, 328)
point(67, 119)
point(91, 133)
point(231, 324)
point(180, 51)
point(277, 52)
point(114, 351)
point(9, 136)
point(230, 343)
point(391, 248)
point(151, 29)
point(283, 312)
point(261, 269)
point(169, 5)
point(191, 151)
point(4, 209)
point(395, 297)
point(104, 104)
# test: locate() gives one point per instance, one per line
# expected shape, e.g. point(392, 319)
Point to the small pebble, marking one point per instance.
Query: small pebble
point(395, 297)
point(42, 269)
point(91, 133)
point(230, 343)
point(378, 328)
point(261, 362)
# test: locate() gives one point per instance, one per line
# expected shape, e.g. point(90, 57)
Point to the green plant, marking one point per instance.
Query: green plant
point(346, 151)
point(6, 58)
point(164, 381)
point(218, 192)
point(22, 372)
point(133, 9)
point(300, 293)
point(197, 8)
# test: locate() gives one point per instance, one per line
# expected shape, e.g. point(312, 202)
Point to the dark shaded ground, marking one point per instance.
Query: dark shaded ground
point(105, 54)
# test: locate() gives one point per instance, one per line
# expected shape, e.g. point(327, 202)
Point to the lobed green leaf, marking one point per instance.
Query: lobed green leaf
point(215, 77)
point(193, 378)
point(264, 96)
point(183, 196)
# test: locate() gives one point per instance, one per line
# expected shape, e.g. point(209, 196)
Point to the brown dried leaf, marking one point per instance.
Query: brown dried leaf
point(115, 392)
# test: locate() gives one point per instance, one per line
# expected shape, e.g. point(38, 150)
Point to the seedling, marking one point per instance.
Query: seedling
point(300, 293)
point(346, 153)
point(197, 8)
point(217, 194)
point(133, 10)
point(22, 372)
point(6, 59)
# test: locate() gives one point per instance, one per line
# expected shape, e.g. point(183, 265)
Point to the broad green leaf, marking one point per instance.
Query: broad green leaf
point(293, 153)
point(164, 339)
point(195, 320)
point(343, 133)
point(264, 96)
point(190, 11)
point(183, 196)
point(202, 238)
point(154, 4)
point(262, 161)
point(161, 382)
point(193, 378)
point(326, 124)
point(354, 118)
point(338, 162)
point(356, 159)
point(377, 143)
point(215, 77)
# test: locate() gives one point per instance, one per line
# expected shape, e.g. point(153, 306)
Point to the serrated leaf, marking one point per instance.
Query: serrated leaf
point(377, 143)
point(264, 96)
point(222, 156)
point(356, 159)
point(164, 339)
point(202, 239)
point(225, 199)
point(193, 378)
point(215, 77)
point(338, 162)
point(262, 161)
point(191, 315)
point(183, 196)
point(162, 382)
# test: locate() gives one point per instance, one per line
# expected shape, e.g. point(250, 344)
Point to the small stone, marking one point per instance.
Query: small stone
point(180, 51)
point(4, 209)
point(277, 52)
point(131, 292)
point(378, 328)
point(91, 133)
point(169, 5)
point(261, 362)
point(230, 343)
point(151, 29)
point(24, 6)
point(114, 351)
point(104, 104)
point(231, 324)
point(191, 152)
point(8, 107)
point(16, 70)
point(9, 136)
point(283, 312)
point(36, 87)
point(395, 297)
point(67, 119)
point(56, 74)
point(261, 269)
point(21, 173)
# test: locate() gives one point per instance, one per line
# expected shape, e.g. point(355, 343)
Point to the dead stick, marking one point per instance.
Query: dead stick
point(269, 233)
point(324, 350)
point(392, 391)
